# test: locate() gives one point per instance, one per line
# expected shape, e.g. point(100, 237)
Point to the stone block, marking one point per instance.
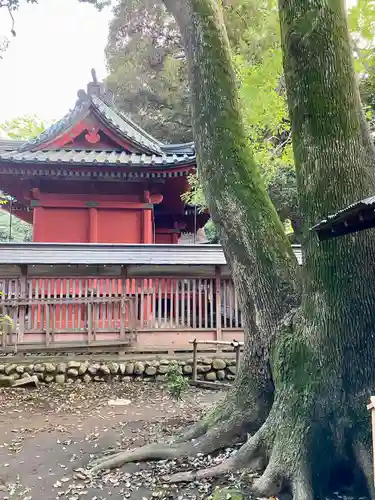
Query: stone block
point(60, 378)
point(187, 370)
point(129, 368)
point(113, 368)
point(203, 368)
point(139, 368)
point(151, 371)
point(93, 369)
point(211, 376)
point(83, 368)
point(74, 364)
point(49, 368)
point(61, 368)
point(10, 368)
point(219, 364)
point(163, 369)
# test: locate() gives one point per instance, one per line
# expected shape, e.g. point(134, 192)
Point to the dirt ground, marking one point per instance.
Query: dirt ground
point(49, 435)
point(46, 434)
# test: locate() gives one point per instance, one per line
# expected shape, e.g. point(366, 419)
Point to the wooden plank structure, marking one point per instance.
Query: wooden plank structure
point(218, 343)
point(120, 297)
point(51, 311)
point(140, 297)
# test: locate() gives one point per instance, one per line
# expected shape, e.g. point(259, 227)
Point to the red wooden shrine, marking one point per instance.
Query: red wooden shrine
point(97, 177)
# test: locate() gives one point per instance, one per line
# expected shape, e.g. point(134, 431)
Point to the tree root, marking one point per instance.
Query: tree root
point(220, 436)
point(250, 454)
point(148, 452)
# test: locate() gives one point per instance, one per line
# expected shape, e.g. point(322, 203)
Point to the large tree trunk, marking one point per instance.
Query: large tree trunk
point(315, 363)
point(319, 363)
point(334, 334)
point(263, 265)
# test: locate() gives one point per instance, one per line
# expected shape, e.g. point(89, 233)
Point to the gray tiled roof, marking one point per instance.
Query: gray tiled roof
point(107, 254)
point(10, 144)
point(188, 148)
point(92, 157)
point(79, 112)
point(341, 215)
point(126, 126)
point(110, 115)
point(112, 118)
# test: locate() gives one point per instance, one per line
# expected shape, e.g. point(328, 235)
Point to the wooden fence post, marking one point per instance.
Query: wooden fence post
point(371, 407)
point(22, 307)
point(219, 335)
point(195, 352)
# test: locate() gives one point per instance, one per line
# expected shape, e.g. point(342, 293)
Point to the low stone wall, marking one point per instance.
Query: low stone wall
point(85, 371)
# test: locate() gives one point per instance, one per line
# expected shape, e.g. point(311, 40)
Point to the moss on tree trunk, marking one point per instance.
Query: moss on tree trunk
point(263, 266)
point(334, 158)
point(308, 365)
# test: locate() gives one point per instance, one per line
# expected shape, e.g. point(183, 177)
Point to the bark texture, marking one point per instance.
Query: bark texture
point(307, 370)
point(264, 268)
point(322, 372)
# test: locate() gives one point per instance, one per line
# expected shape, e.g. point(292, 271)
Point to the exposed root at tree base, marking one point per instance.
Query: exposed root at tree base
point(248, 456)
point(221, 436)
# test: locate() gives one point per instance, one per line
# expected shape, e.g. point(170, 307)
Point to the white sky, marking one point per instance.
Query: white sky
point(57, 44)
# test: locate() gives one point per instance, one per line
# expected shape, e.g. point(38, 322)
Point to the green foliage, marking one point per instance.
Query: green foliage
point(147, 69)
point(24, 127)
point(176, 382)
point(20, 231)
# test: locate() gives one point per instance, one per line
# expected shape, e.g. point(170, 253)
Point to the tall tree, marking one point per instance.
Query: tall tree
point(313, 347)
point(24, 127)
point(147, 69)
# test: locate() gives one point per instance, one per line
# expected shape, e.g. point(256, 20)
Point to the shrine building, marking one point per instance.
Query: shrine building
point(104, 270)
point(97, 177)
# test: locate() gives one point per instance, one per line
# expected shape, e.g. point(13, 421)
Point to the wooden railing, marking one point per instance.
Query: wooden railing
point(131, 311)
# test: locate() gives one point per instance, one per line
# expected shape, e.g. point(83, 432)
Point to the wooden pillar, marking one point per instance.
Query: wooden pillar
point(93, 225)
point(147, 236)
point(22, 307)
point(219, 334)
point(195, 360)
point(123, 302)
point(38, 235)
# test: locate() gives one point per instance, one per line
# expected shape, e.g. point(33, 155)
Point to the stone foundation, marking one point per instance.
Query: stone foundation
point(86, 371)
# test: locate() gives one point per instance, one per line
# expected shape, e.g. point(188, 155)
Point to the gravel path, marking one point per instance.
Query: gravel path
point(49, 435)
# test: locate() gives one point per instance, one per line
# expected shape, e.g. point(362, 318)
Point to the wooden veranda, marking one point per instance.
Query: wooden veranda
point(127, 297)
